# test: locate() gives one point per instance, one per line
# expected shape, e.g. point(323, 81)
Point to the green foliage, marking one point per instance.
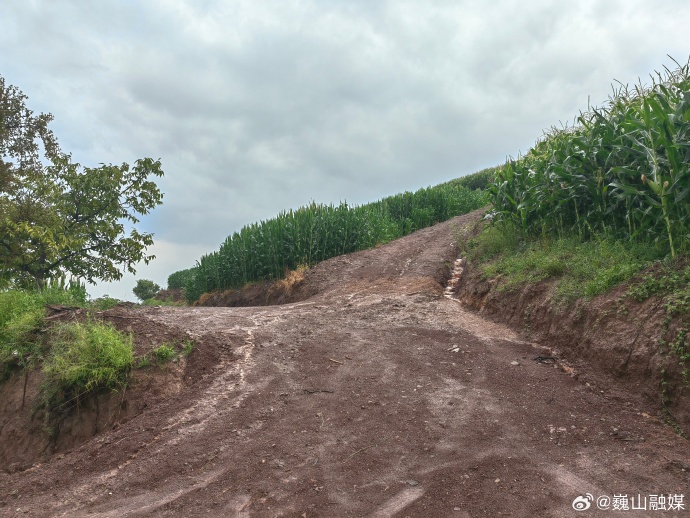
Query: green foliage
point(65, 217)
point(188, 347)
point(104, 303)
point(670, 280)
point(142, 362)
point(492, 241)
point(582, 269)
point(164, 353)
point(178, 280)
point(146, 289)
point(22, 134)
point(623, 171)
point(308, 235)
point(86, 357)
point(665, 279)
point(21, 319)
point(680, 347)
point(479, 180)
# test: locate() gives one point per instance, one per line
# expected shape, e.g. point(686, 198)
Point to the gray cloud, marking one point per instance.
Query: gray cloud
point(255, 107)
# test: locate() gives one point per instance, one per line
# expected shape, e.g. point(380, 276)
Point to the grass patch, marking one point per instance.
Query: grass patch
point(582, 269)
point(87, 357)
point(82, 359)
point(667, 278)
point(187, 347)
point(164, 353)
point(142, 362)
point(21, 322)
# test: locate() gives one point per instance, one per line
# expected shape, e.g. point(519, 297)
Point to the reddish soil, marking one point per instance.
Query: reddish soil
point(373, 396)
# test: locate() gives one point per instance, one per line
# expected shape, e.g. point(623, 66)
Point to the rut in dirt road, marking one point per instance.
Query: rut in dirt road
point(378, 396)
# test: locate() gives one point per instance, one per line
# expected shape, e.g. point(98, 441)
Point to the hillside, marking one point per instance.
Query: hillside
point(373, 395)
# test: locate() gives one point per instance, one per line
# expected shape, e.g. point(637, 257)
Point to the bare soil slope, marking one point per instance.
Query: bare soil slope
point(373, 396)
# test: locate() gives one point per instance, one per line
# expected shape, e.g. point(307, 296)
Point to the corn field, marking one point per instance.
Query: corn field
point(308, 235)
point(622, 170)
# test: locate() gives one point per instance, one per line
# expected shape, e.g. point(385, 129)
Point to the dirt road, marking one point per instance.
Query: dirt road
point(376, 397)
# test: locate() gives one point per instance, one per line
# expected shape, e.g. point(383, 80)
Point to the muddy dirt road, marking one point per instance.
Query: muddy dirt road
point(376, 397)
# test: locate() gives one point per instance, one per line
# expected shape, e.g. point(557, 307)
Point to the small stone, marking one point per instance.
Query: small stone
point(515, 362)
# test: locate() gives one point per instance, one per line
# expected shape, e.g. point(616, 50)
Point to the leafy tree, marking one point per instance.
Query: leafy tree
point(178, 280)
point(58, 217)
point(146, 289)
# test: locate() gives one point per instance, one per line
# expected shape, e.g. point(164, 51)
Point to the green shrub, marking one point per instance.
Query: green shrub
point(178, 280)
point(21, 318)
point(85, 358)
point(164, 353)
point(188, 347)
point(666, 280)
point(145, 289)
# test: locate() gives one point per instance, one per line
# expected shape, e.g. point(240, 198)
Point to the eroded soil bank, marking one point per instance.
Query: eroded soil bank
point(611, 335)
point(374, 396)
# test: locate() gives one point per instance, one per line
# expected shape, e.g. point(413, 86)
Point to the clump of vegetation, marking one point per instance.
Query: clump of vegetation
point(666, 279)
point(188, 347)
point(670, 281)
point(85, 358)
point(21, 320)
point(164, 353)
point(145, 289)
point(582, 269)
point(60, 218)
point(163, 302)
point(178, 280)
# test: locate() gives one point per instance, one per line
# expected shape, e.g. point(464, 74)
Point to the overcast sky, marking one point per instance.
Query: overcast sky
point(262, 105)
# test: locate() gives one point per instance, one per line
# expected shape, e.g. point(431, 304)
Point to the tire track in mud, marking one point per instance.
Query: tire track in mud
point(228, 389)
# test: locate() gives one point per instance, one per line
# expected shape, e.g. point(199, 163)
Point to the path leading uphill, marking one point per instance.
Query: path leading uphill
point(376, 397)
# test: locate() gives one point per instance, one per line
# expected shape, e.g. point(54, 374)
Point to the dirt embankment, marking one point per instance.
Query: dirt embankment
point(28, 433)
point(612, 335)
point(374, 396)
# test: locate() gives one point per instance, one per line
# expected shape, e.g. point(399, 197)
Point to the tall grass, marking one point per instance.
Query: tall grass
point(308, 235)
point(85, 357)
point(75, 358)
point(21, 318)
point(622, 171)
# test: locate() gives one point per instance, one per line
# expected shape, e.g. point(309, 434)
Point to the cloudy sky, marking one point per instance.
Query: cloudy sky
point(254, 106)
